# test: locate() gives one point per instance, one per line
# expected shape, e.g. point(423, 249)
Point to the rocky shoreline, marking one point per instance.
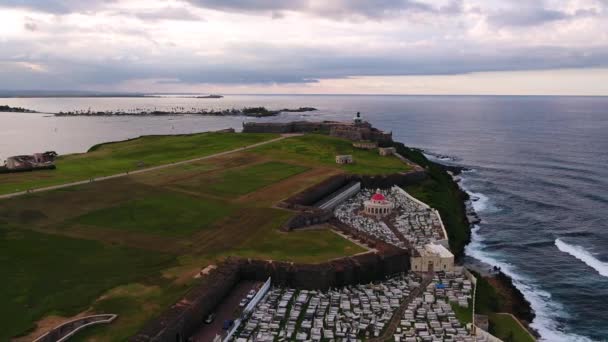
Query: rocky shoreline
point(510, 297)
point(247, 111)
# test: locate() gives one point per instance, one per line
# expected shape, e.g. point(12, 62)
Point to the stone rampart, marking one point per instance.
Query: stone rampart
point(185, 317)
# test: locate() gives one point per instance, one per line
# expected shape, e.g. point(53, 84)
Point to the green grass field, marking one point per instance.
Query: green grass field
point(119, 157)
point(241, 181)
point(322, 150)
point(136, 241)
point(44, 274)
point(464, 315)
point(506, 328)
point(132, 245)
point(168, 213)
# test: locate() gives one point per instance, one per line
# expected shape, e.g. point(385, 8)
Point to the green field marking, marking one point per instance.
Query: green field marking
point(47, 274)
point(242, 180)
point(464, 315)
point(307, 246)
point(169, 213)
point(322, 150)
point(114, 158)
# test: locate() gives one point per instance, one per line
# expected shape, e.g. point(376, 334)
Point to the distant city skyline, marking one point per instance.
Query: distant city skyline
point(455, 47)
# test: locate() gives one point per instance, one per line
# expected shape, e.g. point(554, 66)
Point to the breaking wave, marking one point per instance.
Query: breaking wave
point(583, 255)
point(548, 312)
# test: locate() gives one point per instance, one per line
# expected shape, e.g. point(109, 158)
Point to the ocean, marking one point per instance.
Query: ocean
point(538, 166)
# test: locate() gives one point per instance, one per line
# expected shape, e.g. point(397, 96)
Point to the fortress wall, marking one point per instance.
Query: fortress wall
point(357, 269)
point(317, 193)
point(185, 317)
point(286, 127)
point(308, 218)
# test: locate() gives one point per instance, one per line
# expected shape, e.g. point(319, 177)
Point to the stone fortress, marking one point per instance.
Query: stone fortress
point(358, 131)
point(403, 289)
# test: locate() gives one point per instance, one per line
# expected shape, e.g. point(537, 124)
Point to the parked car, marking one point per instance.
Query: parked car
point(210, 318)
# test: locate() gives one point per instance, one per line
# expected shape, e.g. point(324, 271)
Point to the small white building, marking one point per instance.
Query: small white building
point(386, 151)
point(344, 159)
point(378, 205)
point(432, 258)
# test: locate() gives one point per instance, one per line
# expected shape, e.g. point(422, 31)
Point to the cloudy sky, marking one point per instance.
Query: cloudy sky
point(307, 46)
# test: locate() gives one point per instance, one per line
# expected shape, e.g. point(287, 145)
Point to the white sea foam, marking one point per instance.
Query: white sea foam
point(548, 313)
point(437, 157)
point(481, 203)
point(583, 255)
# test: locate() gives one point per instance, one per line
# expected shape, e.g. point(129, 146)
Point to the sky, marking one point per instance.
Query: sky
point(507, 47)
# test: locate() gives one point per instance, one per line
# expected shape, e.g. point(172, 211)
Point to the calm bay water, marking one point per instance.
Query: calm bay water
point(539, 166)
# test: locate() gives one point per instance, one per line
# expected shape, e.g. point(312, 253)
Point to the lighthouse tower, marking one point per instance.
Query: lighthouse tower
point(357, 119)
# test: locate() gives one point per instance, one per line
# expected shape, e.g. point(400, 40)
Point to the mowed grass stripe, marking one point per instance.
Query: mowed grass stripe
point(243, 180)
point(169, 213)
point(130, 155)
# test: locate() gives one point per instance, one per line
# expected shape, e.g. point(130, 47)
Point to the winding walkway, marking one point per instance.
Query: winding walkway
point(154, 168)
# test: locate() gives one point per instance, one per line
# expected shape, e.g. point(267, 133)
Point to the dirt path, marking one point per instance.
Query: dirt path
point(154, 168)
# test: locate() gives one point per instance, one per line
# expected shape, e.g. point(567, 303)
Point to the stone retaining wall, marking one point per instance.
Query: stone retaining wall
point(185, 317)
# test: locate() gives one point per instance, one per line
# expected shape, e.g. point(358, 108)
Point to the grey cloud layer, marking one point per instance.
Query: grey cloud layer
point(304, 66)
point(258, 62)
point(334, 8)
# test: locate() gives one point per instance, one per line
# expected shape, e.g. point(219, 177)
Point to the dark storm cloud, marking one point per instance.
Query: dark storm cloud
point(335, 8)
point(535, 16)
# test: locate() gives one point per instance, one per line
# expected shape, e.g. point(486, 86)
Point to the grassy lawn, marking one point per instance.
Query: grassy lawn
point(134, 303)
point(242, 180)
point(113, 158)
point(464, 315)
point(131, 245)
point(308, 246)
point(487, 300)
point(170, 214)
point(506, 328)
point(319, 149)
point(43, 274)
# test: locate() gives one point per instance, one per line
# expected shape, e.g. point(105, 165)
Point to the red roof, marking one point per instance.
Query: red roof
point(378, 197)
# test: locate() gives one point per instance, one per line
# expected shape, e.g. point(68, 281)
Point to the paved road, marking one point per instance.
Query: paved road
point(154, 168)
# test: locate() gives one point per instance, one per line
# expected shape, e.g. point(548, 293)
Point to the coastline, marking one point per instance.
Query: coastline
point(505, 292)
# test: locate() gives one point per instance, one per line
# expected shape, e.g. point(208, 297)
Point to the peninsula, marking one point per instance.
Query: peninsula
point(301, 230)
point(4, 108)
point(247, 111)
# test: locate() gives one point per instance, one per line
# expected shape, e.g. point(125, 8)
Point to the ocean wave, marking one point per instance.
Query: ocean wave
point(583, 255)
point(439, 157)
point(548, 313)
point(481, 203)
